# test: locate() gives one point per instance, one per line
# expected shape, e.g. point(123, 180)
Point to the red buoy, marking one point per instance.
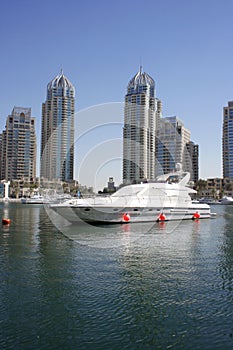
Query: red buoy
point(126, 217)
point(6, 221)
point(161, 217)
point(196, 215)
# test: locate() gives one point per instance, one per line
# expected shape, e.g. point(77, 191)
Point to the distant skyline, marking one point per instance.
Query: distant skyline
point(185, 46)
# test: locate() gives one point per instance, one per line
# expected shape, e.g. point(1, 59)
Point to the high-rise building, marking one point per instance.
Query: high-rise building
point(193, 150)
point(57, 134)
point(1, 155)
point(174, 146)
point(227, 141)
point(18, 146)
point(141, 117)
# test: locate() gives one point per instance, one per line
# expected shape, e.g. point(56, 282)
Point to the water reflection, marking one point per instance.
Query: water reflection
point(129, 286)
point(226, 249)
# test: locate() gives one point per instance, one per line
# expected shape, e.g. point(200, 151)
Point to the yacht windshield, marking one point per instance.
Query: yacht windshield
point(127, 191)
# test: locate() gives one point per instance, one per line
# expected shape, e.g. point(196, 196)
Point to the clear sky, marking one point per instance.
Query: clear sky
point(185, 45)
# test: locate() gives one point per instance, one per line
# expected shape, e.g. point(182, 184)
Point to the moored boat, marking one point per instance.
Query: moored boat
point(169, 198)
point(226, 200)
point(43, 199)
point(35, 199)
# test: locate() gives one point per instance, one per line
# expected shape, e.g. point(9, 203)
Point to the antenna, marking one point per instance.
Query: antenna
point(140, 64)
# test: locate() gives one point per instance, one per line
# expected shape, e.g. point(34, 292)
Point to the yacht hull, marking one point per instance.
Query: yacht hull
point(100, 214)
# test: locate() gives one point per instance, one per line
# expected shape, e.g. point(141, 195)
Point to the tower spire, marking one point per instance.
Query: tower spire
point(140, 69)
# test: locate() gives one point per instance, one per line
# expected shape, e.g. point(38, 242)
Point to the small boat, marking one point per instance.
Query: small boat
point(166, 199)
point(35, 199)
point(226, 200)
point(209, 201)
point(39, 199)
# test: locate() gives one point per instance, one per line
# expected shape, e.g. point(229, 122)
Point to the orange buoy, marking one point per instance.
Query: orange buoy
point(126, 217)
point(161, 217)
point(196, 215)
point(6, 221)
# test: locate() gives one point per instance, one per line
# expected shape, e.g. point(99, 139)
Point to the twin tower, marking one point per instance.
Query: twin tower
point(142, 112)
point(151, 144)
point(57, 134)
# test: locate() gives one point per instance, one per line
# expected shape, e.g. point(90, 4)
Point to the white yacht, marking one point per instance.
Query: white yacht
point(227, 200)
point(169, 198)
point(35, 199)
point(44, 199)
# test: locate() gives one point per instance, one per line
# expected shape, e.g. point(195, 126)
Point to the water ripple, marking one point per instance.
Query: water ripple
point(169, 287)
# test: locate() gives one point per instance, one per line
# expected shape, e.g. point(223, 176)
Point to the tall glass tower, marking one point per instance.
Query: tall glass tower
point(171, 148)
point(141, 118)
point(227, 141)
point(174, 146)
point(57, 134)
point(18, 146)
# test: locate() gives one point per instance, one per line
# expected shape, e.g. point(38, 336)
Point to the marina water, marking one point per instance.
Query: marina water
point(132, 286)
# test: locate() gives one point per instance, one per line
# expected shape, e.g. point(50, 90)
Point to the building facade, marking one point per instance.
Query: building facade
point(57, 133)
point(193, 150)
point(216, 188)
point(18, 146)
point(141, 118)
point(174, 146)
point(227, 141)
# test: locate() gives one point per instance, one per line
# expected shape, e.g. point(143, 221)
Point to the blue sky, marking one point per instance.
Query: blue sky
point(186, 46)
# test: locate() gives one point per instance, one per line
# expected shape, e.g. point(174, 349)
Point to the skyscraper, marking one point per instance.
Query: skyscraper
point(227, 141)
point(18, 146)
point(141, 117)
point(174, 146)
point(57, 134)
point(193, 150)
